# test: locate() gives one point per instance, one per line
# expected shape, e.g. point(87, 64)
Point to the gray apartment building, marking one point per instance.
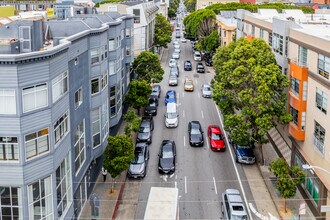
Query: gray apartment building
point(61, 89)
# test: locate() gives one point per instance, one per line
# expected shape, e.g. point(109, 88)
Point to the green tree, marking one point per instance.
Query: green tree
point(190, 5)
point(210, 43)
point(138, 94)
point(118, 155)
point(133, 122)
point(288, 178)
point(163, 33)
point(250, 90)
point(147, 66)
point(199, 24)
point(173, 7)
point(171, 13)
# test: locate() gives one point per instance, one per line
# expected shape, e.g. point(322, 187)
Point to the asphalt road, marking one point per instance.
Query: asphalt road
point(201, 174)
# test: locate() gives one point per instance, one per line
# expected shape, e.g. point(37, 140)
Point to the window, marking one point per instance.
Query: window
point(40, 199)
point(128, 32)
point(112, 101)
point(112, 68)
point(8, 101)
point(8, 148)
point(136, 13)
point(63, 186)
point(76, 61)
point(319, 135)
point(119, 97)
point(105, 51)
point(25, 38)
point(105, 120)
point(324, 66)
point(321, 100)
point(95, 56)
point(104, 79)
point(79, 146)
point(35, 97)
point(78, 98)
point(122, 34)
point(302, 59)
point(118, 40)
point(36, 143)
point(128, 50)
point(270, 39)
point(295, 86)
point(95, 86)
point(96, 123)
point(60, 86)
point(61, 127)
point(278, 43)
point(261, 33)
point(112, 44)
point(10, 203)
point(294, 114)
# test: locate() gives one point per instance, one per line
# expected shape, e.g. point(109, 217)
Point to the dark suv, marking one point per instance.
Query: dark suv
point(187, 65)
point(200, 68)
point(138, 166)
point(145, 130)
point(167, 154)
point(151, 108)
point(243, 153)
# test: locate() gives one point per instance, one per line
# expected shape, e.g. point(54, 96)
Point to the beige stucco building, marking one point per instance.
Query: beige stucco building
point(301, 44)
point(226, 25)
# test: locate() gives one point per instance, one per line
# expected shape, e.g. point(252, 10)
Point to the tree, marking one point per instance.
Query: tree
point(133, 122)
point(138, 94)
point(250, 90)
point(118, 155)
point(210, 43)
point(190, 5)
point(171, 13)
point(147, 66)
point(199, 24)
point(173, 7)
point(163, 32)
point(288, 178)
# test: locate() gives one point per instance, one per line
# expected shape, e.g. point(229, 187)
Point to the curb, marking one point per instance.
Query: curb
point(118, 199)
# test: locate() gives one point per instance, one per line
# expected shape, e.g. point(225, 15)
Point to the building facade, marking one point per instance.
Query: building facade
point(62, 88)
point(226, 25)
point(301, 46)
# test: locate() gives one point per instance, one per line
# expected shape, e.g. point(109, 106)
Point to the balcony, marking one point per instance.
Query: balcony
point(296, 132)
point(249, 37)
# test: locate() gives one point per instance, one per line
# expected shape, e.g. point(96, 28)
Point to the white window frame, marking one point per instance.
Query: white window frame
point(105, 120)
point(104, 79)
point(95, 55)
point(14, 202)
point(60, 81)
point(98, 85)
point(62, 127)
point(323, 99)
point(39, 138)
point(34, 91)
point(112, 68)
point(113, 99)
point(323, 65)
point(112, 44)
point(9, 146)
point(96, 125)
point(319, 137)
point(82, 149)
point(79, 101)
point(25, 40)
point(8, 101)
point(127, 32)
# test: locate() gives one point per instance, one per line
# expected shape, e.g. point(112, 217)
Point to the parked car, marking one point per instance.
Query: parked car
point(174, 71)
point(209, 62)
point(188, 84)
point(243, 153)
point(177, 34)
point(151, 108)
point(173, 80)
point(145, 130)
point(156, 90)
point(216, 138)
point(138, 166)
point(232, 206)
point(170, 96)
point(200, 68)
point(177, 50)
point(195, 134)
point(172, 63)
point(206, 91)
point(197, 56)
point(167, 155)
point(187, 65)
point(176, 55)
point(183, 40)
point(176, 46)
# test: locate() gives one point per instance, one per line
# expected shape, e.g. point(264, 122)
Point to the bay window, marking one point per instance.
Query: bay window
point(35, 97)
point(8, 101)
point(36, 143)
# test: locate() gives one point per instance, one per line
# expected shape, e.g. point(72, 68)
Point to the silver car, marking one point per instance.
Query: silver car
point(232, 206)
point(173, 80)
point(138, 166)
point(206, 91)
point(176, 55)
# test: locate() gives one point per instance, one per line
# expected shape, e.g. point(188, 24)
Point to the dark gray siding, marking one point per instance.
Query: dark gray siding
point(8, 76)
point(33, 73)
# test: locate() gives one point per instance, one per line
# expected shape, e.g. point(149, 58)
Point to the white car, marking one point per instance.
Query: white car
point(183, 40)
point(176, 55)
point(176, 46)
point(177, 50)
point(206, 91)
point(173, 80)
point(197, 56)
point(172, 63)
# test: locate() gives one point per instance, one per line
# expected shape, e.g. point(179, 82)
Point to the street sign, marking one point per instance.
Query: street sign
point(325, 208)
point(302, 208)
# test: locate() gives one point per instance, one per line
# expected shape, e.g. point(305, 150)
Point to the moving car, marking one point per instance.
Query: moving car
point(174, 71)
point(206, 91)
point(176, 46)
point(172, 63)
point(183, 40)
point(216, 139)
point(177, 34)
point(173, 80)
point(156, 90)
point(151, 108)
point(138, 166)
point(170, 97)
point(200, 68)
point(232, 206)
point(197, 56)
point(243, 153)
point(188, 84)
point(167, 154)
point(145, 130)
point(195, 134)
point(176, 55)
point(177, 50)
point(187, 65)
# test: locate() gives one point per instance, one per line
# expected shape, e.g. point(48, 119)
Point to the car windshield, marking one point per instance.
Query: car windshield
point(171, 115)
point(152, 103)
point(144, 129)
point(195, 131)
point(172, 77)
point(206, 88)
point(171, 96)
point(239, 217)
point(216, 136)
point(188, 64)
point(189, 83)
point(138, 159)
point(244, 147)
point(167, 154)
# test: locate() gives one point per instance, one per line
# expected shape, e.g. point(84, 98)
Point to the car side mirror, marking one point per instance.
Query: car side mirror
point(164, 115)
point(177, 115)
point(158, 155)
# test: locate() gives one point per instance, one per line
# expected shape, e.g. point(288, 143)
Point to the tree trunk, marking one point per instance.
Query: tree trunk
point(261, 153)
point(284, 205)
point(112, 186)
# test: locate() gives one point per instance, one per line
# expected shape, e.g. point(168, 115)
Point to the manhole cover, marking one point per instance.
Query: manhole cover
point(196, 75)
point(208, 71)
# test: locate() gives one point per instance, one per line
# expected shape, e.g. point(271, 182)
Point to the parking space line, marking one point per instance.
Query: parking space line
point(198, 95)
point(207, 142)
point(182, 113)
point(202, 114)
point(185, 184)
point(215, 186)
point(184, 140)
point(196, 81)
point(182, 94)
point(176, 184)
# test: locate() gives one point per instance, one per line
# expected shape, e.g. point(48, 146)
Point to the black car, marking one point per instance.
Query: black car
point(195, 134)
point(138, 166)
point(200, 68)
point(145, 130)
point(151, 108)
point(187, 65)
point(174, 71)
point(209, 62)
point(156, 90)
point(167, 154)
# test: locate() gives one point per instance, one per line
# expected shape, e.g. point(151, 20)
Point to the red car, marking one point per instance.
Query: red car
point(216, 138)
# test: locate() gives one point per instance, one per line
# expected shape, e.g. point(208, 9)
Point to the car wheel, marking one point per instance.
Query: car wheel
point(236, 159)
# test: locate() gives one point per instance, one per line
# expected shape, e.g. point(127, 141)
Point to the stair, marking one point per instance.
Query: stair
point(280, 144)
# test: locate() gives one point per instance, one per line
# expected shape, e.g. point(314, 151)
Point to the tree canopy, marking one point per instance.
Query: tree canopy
point(199, 24)
point(173, 7)
point(147, 66)
point(133, 122)
point(210, 43)
point(190, 5)
point(138, 94)
point(249, 88)
point(118, 154)
point(163, 32)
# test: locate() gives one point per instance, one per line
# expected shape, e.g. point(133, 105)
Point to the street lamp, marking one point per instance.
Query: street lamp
point(309, 167)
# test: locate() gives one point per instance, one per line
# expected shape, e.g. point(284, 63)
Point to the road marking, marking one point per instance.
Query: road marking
point(176, 184)
point(184, 140)
point(234, 163)
point(185, 184)
point(196, 81)
point(171, 175)
point(198, 95)
point(202, 114)
point(261, 216)
point(207, 142)
point(215, 186)
point(182, 94)
point(182, 113)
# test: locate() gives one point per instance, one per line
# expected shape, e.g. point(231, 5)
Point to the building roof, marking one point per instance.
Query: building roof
point(227, 18)
point(132, 3)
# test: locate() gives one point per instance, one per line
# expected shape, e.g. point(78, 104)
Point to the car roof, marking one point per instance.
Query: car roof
point(170, 91)
point(215, 129)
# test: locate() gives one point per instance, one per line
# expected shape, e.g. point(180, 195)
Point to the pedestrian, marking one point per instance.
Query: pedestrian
point(104, 173)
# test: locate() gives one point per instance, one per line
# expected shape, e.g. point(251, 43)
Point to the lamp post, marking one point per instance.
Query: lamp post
point(309, 167)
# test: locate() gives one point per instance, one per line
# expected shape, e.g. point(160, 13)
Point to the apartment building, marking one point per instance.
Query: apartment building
point(226, 25)
point(21, 6)
point(301, 45)
point(61, 89)
point(200, 4)
point(144, 21)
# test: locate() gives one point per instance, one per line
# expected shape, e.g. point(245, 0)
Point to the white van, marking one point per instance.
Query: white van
point(197, 56)
point(171, 116)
